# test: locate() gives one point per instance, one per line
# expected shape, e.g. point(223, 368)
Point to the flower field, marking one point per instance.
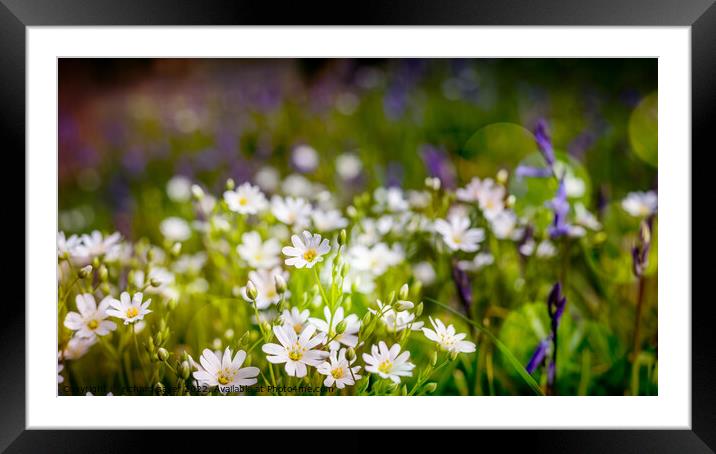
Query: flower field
point(357, 227)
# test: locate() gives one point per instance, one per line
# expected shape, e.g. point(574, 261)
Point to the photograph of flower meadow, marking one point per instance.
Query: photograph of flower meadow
point(369, 227)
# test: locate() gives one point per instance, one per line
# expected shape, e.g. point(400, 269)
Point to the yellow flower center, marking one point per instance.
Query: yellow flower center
point(385, 366)
point(298, 327)
point(223, 379)
point(92, 324)
point(243, 201)
point(296, 352)
point(457, 239)
point(310, 255)
point(337, 372)
point(132, 312)
point(271, 293)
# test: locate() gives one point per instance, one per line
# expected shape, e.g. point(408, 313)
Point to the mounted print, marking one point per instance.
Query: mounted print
point(371, 227)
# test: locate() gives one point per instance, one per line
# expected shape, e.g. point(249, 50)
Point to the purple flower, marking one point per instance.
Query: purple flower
point(544, 143)
point(555, 305)
point(438, 164)
point(560, 208)
point(538, 356)
point(462, 284)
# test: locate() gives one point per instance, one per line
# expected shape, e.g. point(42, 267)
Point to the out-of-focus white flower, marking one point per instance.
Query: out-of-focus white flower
point(223, 371)
point(129, 309)
point(179, 188)
point(307, 250)
point(294, 350)
point(349, 337)
point(573, 185)
point(348, 166)
point(91, 320)
point(388, 363)
point(267, 178)
point(77, 347)
point(640, 204)
point(327, 221)
point(190, 263)
point(585, 218)
point(265, 282)
point(424, 272)
point(546, 249)
point(257, 253)
point(338, 370)
point(489, 195)
point(66, 246)
point(478, 262)
point(60, 366)
point(376, 259)
point(390, 199)
point(246, 199)
point(305, 158)
point(175, 229)
point(504, 226)
point(528, 247)
point(458, 235)
point(94, 245)
point(298, 186)
point(396, 321)
point(447, 339)
point(293, 211)
point(295, 319)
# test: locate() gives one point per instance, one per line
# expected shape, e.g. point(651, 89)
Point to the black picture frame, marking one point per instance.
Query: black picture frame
point(700, 15)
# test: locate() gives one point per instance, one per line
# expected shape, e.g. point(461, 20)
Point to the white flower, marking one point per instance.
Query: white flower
point(489, 195)
point(458, 235)
point(478, 262)
point(175, 229)
point(396, 321)
point(267, 178)
point(295, 319)
point(90, 320)
point(349, 337)
point(296, 351)
point(60, 366)
point(157, 275)
point(546, 249)
point(190, 264)
point(305, 158)
point(223, 371)
point(424, 272)
point(447, 338)
point(528, 247)
point(246, 199)
point(95, 245)
point(388, 363)
point(66, 246)
point(179, 188)
point(307, 250)
point(585, 218)
point(291, 210)
point(259, 254)
point(327, 221)
point(77, 347)
point(640, 204)
point(130, 310)
point(265, 282)
point(338, 370)
point(504, 226)
point(348, 166)
point(390, 199)
point(375, 260)
point(298, 186)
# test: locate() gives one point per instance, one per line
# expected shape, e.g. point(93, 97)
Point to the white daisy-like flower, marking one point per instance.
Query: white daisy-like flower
point(295, 319)
point(175, 229)
point(390, 199)
point(546, 249)
point(447, 338)
point(338, 370)
point(157, 275)
point(471, 192)
point(95, 245)
point(129, 309)
point(265, 282)
point(257, 253)
point(424, 272)
point(298, 186)
point(348, 166)
point(179, 188)
point(396, 321)
point(376, 259)
point(91, 320)
point(296, 351)
point(327, 221)
point(66, 246)
point(489, 195)
point(267, 178)
point(640, 204)
point(458, 235)
point(585, 218)
point(388, 362)
point(305, 158)
point(307, 250)
point(222, 370)
point(246, 199)
point(349, 337)
point(293, 211)
point(504, 226)
point(77, 347)
point(190, 264)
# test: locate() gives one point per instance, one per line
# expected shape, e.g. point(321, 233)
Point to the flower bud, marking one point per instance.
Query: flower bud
point(197, 192)
point(150, 255)
point(391, 298)
point(404, 305)
point(184, 370)
point(502, 176)
point(341, 327)
point(510, 202)
point(216, 344)
point(434, 358)
point(159, 389)
point(433, 183)
point(176, 249)
point(350, 354)
point(404, 390)
point(404, 292)
point(162, 354)
point(266, 327)
point(230, 185)
point(280, 283)
point(453, 355)
point(85, 271)
point(366, 319)
point(251, 291)
point(430, 387)
point(154, 282)
point(342, 237)
point(419, 309)
point(103, 273)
